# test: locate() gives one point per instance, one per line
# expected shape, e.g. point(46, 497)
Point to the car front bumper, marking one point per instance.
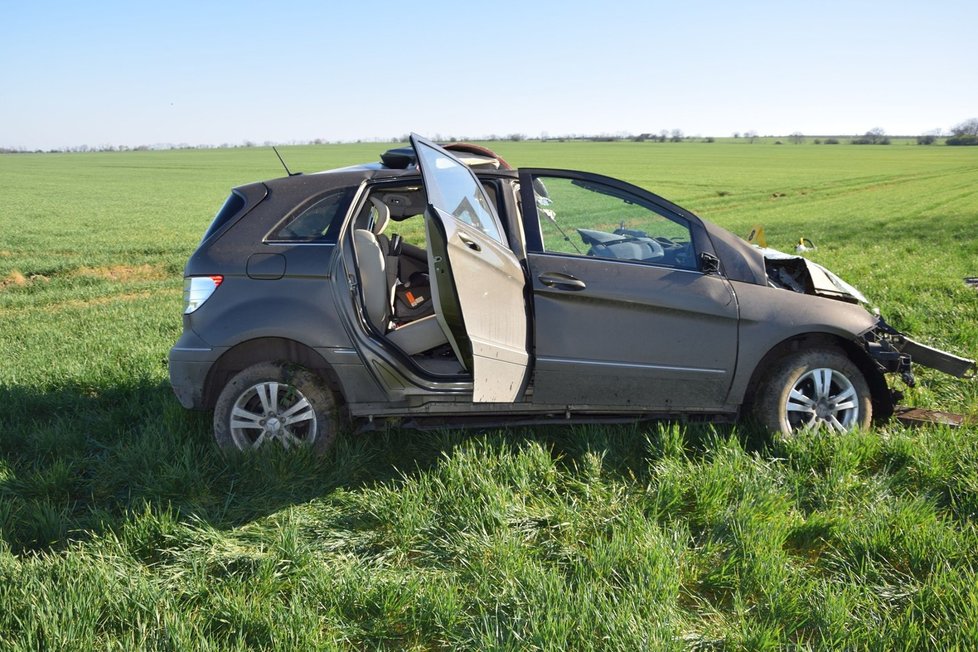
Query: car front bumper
point(895, 352)
point(935, 358)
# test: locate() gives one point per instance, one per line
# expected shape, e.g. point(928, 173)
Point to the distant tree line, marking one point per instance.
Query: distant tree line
point(872, 137)
point(965, 133)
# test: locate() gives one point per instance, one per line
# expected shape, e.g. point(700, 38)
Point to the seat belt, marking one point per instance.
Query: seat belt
point(392, 265)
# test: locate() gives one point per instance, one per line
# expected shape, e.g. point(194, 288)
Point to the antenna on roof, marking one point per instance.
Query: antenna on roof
point(282, 161)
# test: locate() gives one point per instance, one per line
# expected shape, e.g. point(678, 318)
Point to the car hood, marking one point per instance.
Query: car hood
point(793, 272)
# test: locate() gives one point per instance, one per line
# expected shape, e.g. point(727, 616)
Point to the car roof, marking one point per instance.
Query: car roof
point(394, 163)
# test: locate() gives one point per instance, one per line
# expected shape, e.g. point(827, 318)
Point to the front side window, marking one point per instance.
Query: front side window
point(585, 218)
point(318, 222)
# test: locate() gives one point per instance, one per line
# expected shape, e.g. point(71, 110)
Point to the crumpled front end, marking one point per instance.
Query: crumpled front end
point(797, 273)
point(894, 352)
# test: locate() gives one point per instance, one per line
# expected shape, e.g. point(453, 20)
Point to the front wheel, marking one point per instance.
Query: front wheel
point(819, 389)
point(275, 404)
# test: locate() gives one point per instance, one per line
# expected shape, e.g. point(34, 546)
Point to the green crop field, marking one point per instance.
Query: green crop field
point(122, 527)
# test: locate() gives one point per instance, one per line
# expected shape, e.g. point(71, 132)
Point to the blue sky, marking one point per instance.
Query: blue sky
point(130, 73)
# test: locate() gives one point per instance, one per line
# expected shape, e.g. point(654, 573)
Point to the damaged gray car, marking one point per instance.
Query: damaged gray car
point(441, 287)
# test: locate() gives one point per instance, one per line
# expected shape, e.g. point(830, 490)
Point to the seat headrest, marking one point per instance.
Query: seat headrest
point(383, 217)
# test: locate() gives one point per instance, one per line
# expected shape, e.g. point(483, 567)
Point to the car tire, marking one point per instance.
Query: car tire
point(819, 388)
point(274, 403)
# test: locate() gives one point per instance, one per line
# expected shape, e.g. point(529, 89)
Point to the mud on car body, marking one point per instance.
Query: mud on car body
point(440, 286)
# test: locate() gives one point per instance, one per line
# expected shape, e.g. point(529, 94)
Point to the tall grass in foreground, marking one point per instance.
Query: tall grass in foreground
point(612, 537)
point(121, 527)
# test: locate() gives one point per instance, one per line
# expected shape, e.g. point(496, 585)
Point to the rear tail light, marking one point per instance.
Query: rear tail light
point(197, 289)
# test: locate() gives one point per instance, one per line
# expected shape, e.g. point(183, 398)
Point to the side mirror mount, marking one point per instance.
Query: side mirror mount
point(709, 264)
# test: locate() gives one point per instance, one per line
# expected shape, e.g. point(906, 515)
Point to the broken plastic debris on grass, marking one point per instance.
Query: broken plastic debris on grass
point(912, 416)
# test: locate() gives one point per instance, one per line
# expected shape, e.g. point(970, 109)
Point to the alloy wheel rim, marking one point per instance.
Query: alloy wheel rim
point(822, 398)
point(271, 411)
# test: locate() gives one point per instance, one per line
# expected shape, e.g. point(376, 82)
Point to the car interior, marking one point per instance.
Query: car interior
point(389, 243)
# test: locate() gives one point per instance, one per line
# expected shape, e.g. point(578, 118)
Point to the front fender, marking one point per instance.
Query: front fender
point(770, 316)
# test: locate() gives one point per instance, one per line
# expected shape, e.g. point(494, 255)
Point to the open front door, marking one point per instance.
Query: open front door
point(476, 281)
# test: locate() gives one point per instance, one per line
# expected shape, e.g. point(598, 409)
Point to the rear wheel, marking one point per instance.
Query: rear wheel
point(819, 389)
point(275, 404)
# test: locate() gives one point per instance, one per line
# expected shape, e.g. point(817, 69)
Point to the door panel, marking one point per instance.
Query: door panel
point(477, 282)
point(635, 335)
point(622, 317)
point(489, 332)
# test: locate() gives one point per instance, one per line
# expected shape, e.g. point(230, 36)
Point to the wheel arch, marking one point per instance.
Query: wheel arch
point(265, 349)
point(881, 397)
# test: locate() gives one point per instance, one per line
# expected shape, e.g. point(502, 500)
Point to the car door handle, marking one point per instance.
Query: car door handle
point(560, 281)
point(469, 242)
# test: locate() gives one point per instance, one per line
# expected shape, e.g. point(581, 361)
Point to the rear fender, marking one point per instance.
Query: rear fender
point(268, 349)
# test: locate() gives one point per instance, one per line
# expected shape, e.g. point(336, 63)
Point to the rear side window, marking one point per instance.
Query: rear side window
point(232, 206)
point(318, 222)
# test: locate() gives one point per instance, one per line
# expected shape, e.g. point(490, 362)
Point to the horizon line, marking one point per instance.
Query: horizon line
point(493, 138)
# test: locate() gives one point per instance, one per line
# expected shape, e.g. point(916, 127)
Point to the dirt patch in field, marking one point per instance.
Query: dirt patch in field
point(14, 278)
point(17, 279)
point(122, 272)
point(100, 301)
point(81, 304)
point(118, 273)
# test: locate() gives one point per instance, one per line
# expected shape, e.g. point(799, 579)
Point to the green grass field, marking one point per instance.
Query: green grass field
point(121, 527)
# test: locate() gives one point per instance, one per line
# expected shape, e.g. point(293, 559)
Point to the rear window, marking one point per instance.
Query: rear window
point(232, 206)
point(318, 222)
